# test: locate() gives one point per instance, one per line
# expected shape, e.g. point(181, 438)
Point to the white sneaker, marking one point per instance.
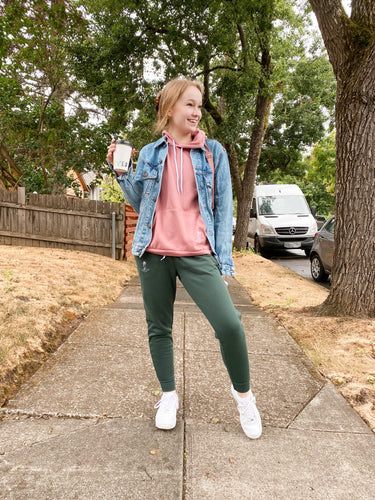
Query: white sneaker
point(249, 416)
point(167, 409)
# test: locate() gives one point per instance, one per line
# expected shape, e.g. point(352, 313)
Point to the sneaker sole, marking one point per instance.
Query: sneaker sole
point(165, 428)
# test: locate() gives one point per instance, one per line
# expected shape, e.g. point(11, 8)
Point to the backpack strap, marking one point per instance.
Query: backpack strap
point(210, 160)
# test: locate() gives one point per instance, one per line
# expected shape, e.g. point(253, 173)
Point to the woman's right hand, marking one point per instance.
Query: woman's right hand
point(111, 150)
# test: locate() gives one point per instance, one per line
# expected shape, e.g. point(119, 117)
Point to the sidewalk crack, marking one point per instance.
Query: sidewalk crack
point(305, 405)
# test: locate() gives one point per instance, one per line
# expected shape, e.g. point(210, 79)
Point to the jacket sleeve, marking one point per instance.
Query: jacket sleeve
point(131, 184)
point(223, 211)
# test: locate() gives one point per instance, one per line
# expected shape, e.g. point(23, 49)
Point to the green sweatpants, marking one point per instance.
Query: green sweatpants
point(202, 280)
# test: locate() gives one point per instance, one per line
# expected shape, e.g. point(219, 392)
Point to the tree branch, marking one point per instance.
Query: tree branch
point(43, 109)
point(245, 50)
point(4, 153)
point(363, 13)
point(214, 68)
point(333, 23)
point(207, 104)
point(165, 31)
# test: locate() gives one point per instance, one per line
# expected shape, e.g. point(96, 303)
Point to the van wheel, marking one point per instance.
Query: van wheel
point(257, 247)
point(317, 270)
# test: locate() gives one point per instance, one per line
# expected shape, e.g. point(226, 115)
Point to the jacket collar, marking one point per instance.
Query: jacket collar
point(160, 142)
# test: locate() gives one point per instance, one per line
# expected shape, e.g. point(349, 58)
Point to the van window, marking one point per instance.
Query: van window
point(282, 205)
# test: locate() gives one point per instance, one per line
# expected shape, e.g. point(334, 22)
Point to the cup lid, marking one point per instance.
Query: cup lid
point(121, 141)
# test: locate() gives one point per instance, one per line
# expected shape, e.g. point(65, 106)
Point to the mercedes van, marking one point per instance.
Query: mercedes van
point(280, 217)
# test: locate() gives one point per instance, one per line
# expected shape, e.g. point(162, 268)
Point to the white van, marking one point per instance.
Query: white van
point(281, 218)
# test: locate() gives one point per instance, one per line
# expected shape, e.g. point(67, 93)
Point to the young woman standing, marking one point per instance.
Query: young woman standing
point(184, 230)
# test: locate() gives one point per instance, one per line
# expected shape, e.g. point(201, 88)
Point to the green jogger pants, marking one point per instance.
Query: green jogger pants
point(202, 280)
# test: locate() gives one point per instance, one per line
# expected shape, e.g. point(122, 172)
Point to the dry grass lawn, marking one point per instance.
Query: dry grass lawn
point(44, 294)
point(343, 348)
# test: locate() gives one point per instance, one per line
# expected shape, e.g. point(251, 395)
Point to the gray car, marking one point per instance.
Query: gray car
point(321, 255)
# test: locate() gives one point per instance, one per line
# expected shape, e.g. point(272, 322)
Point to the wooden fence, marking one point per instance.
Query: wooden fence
point(56, 221)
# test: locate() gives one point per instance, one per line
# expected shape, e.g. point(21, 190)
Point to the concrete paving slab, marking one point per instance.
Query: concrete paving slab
point(223, 464)
point(19, 432)
point(91, 380)
point(262, 335)
point(83, 426)
point(123, 327)
point(329, 411)
point(109, 459)
point(283, 386)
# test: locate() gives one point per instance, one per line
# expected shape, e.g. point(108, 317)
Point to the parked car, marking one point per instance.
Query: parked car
point(321, 255)
point(280, 218)
point(320, 221)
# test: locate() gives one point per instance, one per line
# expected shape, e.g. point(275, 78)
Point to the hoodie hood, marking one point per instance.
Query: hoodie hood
point(198, 140)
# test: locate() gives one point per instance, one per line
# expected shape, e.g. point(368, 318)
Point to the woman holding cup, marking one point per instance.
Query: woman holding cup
point(184, 230)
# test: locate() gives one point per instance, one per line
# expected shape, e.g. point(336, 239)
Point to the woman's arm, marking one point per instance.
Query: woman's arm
point(131, 188)
point(223, 210)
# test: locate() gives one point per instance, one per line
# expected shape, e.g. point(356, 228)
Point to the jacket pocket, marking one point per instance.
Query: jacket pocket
point(149, 178)
point(205, 185)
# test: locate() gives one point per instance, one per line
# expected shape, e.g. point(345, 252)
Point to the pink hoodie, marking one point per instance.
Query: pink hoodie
point(178, 229)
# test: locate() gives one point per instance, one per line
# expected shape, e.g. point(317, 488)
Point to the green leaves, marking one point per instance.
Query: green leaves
point(43, 124)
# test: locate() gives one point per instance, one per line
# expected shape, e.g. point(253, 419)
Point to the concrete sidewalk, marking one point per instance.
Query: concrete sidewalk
point(83, 426)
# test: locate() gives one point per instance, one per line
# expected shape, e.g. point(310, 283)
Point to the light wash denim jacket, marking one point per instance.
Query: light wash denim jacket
point(142, 187)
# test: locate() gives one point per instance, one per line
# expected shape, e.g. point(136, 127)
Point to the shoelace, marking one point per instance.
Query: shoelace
point(244, 409)
point(166, 401)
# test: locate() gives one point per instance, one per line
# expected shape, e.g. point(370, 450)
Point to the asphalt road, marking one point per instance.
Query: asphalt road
point(296, 261)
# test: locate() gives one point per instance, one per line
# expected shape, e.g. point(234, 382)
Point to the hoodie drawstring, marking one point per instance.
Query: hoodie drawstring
point(179, 176)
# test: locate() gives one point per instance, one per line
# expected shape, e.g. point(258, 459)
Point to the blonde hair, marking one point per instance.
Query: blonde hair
point(168, 97)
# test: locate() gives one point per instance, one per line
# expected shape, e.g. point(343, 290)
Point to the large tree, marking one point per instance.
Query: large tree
point(44, 125)
point(247, 53)
point(350, 43)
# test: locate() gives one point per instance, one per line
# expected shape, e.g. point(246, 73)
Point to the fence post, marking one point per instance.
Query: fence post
point(113, 235)
point(21, 195)
point(21, 215)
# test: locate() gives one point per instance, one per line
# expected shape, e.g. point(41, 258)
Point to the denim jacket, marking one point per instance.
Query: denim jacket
point(142, 187)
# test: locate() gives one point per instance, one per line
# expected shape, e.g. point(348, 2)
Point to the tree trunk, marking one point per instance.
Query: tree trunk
point(58, 88)
point(245, 195)
point(11, 176)
point(353, 60)
point(353, 278)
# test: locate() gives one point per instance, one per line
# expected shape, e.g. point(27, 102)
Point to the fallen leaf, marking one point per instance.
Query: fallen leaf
point(231, 460)
point(69, 315)
point(215, 420)
point(155, 393)
point(154, 452)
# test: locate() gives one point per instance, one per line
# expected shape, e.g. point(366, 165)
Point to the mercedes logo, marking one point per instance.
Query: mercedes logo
point(292, 230)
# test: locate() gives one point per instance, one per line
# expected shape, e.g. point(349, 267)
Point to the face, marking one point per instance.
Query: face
point(185, 115)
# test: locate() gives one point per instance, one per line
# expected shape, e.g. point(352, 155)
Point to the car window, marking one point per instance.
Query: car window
point(330, 227)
